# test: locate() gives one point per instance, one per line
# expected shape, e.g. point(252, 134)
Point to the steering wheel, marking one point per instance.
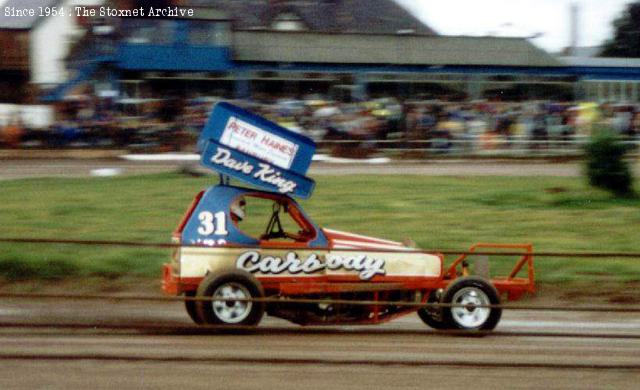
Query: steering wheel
point(275, 230)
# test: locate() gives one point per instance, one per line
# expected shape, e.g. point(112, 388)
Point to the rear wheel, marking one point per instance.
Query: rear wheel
point(226, 286)
point(471, 292)
point(432, 316)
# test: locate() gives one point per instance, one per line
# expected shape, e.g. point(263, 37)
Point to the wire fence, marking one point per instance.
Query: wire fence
point(566, 254)
point(180, 329)
point(151, 298)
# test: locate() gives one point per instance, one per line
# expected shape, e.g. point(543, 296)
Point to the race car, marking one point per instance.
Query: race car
point(247, 251)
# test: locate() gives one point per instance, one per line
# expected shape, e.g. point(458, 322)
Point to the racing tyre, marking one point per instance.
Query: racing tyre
point(230, 284)
point(191, 308)
point(471, 290)
point(432, 316)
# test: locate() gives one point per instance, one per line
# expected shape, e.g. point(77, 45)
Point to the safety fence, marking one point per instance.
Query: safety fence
point(125, 243)
point(476, 146)
point(472, 146)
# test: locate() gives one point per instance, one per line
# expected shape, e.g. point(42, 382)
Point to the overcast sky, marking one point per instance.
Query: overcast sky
point(520, 18)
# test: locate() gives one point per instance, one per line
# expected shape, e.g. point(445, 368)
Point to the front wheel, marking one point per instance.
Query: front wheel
point(471, 291)
point(226, 286)
point(191, 308)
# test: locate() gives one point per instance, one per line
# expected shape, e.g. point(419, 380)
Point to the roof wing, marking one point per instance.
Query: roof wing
point(247, 147)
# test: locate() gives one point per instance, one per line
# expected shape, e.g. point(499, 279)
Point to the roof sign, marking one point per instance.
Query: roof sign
point(244, 136)
point(252, 149)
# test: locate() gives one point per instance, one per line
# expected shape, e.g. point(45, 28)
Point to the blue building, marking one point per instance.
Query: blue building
point(368, 48)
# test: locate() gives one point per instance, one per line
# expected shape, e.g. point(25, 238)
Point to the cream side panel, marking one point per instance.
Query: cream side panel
point(197, 262)
point(398, 264)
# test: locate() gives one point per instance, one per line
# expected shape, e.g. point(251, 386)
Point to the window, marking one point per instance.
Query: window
point(271, 218)
point(288, 22)
point(204, 33)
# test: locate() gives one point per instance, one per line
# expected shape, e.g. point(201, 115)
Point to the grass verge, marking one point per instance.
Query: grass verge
point(559, 214)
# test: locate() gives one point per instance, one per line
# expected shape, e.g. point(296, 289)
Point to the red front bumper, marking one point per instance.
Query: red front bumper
point(173, 284)
point(170, 283)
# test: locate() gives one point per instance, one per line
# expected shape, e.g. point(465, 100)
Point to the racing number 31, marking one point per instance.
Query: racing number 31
point(212, 223)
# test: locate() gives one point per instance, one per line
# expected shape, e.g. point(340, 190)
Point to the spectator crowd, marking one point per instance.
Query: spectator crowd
point(156, 125)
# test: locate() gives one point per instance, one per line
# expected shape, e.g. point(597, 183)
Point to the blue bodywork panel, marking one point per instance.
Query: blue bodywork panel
point(249, 148)
point(218, 199)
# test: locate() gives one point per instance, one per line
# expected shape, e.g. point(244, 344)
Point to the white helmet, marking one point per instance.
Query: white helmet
point(237, 208)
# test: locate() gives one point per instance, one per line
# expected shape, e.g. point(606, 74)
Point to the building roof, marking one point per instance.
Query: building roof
point(22, 22)
point(376, 16)
point(397, 49)
point(583, 51)
point(601, 62)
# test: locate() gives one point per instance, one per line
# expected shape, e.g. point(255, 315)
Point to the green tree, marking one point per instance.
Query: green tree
point(606, 167)
point(626, 40)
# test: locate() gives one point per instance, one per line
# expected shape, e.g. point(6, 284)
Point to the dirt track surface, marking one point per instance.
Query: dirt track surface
point(108, 344)
point(14, 169)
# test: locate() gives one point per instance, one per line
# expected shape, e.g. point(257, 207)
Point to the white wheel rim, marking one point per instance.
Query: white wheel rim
point(470, 317)
point(231, 312)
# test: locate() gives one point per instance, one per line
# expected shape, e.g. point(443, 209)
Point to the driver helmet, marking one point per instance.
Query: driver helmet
point(237, 208)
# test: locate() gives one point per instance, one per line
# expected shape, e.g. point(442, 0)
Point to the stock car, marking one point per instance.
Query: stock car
point(239, 245)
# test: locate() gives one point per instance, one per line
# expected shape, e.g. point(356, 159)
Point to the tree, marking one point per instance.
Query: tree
point(606, 166)
point(626, 40)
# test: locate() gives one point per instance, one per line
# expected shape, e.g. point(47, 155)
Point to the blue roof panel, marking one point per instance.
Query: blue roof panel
point(247, 147)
